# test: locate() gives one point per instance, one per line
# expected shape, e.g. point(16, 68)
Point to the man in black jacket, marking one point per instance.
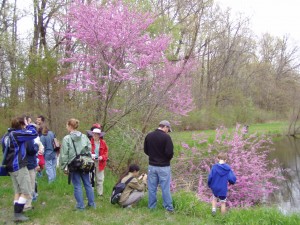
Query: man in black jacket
point(158, 146)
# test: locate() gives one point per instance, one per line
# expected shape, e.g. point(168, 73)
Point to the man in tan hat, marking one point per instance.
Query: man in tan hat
point(158, 146)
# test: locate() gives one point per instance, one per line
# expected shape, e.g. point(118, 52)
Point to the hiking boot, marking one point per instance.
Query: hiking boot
point(213, 213)
point(19, 217)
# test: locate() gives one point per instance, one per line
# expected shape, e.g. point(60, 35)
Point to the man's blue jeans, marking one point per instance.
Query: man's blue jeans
point(50, 166)
point(76, 181)
point(162, 176)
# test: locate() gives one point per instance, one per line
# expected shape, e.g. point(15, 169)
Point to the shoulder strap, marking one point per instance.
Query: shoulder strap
point(6, 149)
point(127, 181)
point(74, 146)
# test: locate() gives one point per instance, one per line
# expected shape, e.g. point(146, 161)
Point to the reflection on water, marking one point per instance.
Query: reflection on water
point(287, 152)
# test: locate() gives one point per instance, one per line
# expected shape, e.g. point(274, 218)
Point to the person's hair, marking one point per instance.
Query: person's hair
point(131, 168)
point(222, 156)
point(74, 123)
point(17, 123)
point(45, 129)
point(161, 126)
point(27, 117)
point(42, 118)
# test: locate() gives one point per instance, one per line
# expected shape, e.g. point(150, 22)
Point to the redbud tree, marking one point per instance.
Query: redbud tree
point(257, 176)
point(111, 53)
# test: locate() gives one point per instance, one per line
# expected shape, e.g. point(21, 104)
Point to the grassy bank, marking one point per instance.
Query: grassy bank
point(56, 203)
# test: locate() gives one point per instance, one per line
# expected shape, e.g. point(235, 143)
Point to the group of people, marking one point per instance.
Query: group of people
point(28, 140)
point(29, 147)
point(158, 146)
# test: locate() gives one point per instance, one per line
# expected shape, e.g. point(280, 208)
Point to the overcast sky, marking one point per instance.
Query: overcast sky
point(276, 17)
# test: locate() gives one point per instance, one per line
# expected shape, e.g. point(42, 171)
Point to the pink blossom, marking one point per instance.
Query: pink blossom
point(247, 156)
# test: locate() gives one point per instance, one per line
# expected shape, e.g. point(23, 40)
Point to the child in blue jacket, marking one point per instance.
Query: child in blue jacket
point(218, 179)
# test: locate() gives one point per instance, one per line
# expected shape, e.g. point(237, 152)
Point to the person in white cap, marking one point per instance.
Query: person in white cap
point(100, 155)
point(158, 146)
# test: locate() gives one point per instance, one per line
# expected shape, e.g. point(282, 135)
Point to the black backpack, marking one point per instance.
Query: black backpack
point(117, 191)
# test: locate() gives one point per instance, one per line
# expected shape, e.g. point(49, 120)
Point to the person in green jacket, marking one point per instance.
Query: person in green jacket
point(76, 141)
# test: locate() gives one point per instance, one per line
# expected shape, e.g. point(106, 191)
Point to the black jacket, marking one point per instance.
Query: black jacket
point(159, 147)
point(31, 151)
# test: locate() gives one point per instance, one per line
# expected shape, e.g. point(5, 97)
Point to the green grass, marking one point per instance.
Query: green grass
point(56, 203)
point(274, 129)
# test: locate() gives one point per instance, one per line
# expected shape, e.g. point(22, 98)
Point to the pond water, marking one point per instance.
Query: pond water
point(287, 152)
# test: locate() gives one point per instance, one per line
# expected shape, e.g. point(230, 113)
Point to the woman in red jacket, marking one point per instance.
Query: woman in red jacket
point(100, 155)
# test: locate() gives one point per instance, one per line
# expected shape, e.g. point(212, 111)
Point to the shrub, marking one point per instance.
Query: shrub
point(247, 156)
point(124, 148)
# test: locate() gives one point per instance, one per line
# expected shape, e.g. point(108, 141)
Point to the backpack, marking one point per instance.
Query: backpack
point(3, 168)
point(118, 190)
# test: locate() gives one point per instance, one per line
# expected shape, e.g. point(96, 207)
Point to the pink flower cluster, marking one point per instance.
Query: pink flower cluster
point(110, 45)
point(257, 177)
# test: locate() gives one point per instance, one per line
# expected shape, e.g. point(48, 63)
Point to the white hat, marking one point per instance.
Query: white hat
point(97, 131)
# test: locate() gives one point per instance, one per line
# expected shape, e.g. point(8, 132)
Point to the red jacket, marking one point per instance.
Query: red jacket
point(102, 152)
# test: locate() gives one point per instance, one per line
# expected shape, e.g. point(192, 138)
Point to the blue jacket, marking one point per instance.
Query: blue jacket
point(219, 177)
point(31, 151)
point(16, 155)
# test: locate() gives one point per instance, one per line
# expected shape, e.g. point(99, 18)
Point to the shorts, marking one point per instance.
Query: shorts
point(220, 198)
point(21, 181)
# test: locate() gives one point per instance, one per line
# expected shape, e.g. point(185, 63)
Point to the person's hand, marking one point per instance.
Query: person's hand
point(66, 171)
point(93, 156)
point(145, 177)
point(29, 121)
point(100, 158)
point(25, 121)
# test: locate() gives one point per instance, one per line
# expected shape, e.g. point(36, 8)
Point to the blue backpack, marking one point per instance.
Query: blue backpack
point(118, 190)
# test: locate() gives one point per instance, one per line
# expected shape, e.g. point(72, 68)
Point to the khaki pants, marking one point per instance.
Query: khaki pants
point(32, 174)
point(99, 177)
point(21, 181)
point(134, 197)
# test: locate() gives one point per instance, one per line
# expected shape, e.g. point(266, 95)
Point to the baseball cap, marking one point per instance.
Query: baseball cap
point(166, 123)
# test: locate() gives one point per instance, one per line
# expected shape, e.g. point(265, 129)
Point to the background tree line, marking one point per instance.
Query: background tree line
point(238, 76)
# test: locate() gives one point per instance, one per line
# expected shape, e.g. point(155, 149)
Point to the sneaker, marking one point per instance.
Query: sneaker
point(34, 198)
point(28, 208)
point(78, 209)
point(213, 213)
point(90, 207)
point(171, 211)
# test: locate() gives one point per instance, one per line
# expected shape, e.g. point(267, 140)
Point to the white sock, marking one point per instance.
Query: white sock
point(214, 209)
point(22, 201)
